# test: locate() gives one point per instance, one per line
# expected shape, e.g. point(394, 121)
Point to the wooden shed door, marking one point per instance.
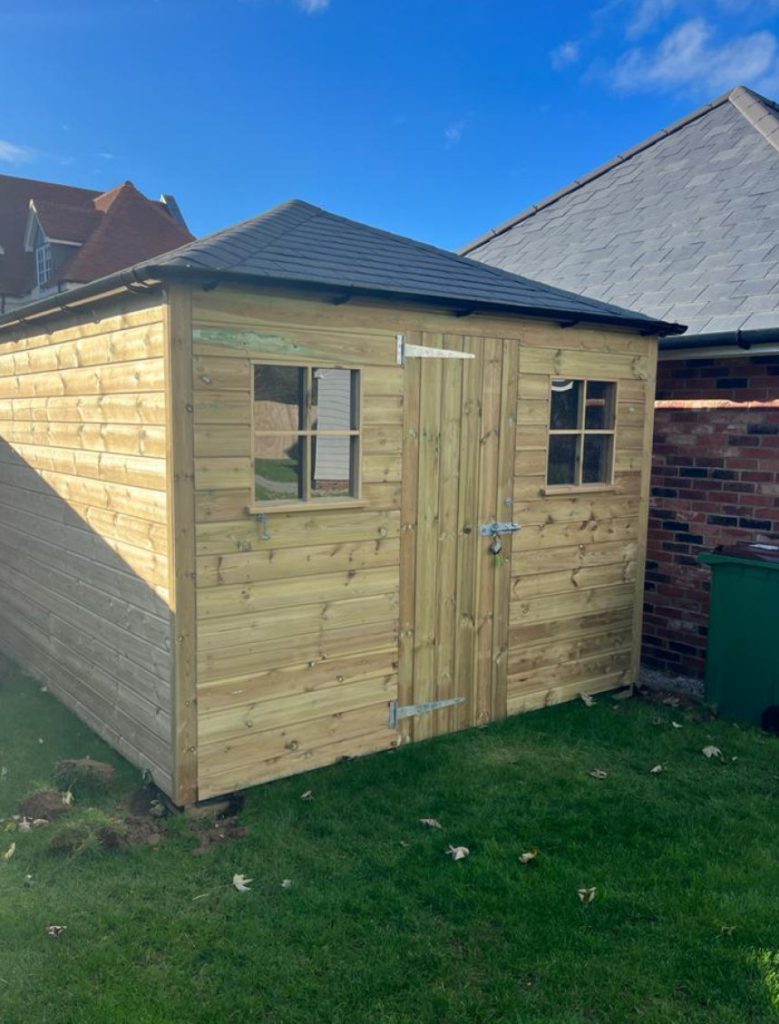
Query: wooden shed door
point(458, 469)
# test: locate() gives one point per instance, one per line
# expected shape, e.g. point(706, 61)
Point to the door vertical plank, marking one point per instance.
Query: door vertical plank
point(448, 499)
point(425, 617)
point(488, 511)
point(408, 535)
point(467, 532)
point(502, 574)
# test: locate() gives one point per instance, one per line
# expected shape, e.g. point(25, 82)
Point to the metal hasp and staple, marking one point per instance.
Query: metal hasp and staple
point(404, 351)
point(398, 711)
point(493, 529)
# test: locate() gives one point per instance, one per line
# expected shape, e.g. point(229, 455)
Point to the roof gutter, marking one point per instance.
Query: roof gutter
point(724, 344)
point(65, 302)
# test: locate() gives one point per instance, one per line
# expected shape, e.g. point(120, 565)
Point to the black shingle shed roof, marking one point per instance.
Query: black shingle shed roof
point(299, 243)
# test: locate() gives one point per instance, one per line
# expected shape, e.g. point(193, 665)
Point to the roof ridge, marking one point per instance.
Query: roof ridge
point(757, 111)
point(197, 243)
point(599, 171)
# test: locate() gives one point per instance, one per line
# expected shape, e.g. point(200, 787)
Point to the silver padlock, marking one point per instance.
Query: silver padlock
point(496, 547)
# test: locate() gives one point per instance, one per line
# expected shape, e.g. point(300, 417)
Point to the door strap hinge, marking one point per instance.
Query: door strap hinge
point(398, 711)
point(404, 351)
point(493, 529)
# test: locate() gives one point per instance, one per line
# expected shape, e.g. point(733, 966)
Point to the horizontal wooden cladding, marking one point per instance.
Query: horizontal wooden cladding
point(572, 580)
point(125, 314)
point(236, 307)
point(105, 672)
point(296, 679)
point(108, 467)
point(140, 375)
point(115, 409)
point(592, 363)
point(293, 748)
point(89, 694)
point(332, 642)
point(296, 529)
point(593, 507)
point(234, 722)
point(521, 701)
point(282, 563)
point(236, 600)
point(527, 634)
point(573, 533)
point(288, 343)
point(129, 345)
point(584, 555)
point(223, 473)
point(225, 407)
point(223, 441)
point(541, 609)
point(523, 662)
point(114, 438)
point(608, 662)
point(138, 502)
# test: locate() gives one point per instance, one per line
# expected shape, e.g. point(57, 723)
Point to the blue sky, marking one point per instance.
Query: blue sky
point(433, 118)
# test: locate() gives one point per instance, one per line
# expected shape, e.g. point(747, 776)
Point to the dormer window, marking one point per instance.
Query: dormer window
point(43, 264)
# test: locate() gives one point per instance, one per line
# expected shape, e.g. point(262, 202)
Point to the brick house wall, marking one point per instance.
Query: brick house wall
point(715, 480)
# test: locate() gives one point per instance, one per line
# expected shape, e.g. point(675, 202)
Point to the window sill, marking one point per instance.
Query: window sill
point(562, 490)
point(305, 506)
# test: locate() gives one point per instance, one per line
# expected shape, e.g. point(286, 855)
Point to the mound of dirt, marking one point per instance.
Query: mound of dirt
point(46, 803)
point(83, 771)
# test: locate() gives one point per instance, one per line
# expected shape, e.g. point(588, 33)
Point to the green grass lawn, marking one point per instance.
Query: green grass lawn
point(379, 925)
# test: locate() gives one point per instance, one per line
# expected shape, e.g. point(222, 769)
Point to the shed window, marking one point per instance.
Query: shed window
point(306, 433)
point(581, 432)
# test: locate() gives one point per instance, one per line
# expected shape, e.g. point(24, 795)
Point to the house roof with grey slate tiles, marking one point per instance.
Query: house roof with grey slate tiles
point(684, 227)
point(300, 243)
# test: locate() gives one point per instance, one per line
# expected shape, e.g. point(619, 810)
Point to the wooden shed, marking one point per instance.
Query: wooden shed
point(305, 489)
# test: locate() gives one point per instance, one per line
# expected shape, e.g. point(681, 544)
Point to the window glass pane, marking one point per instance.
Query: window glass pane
point(563, 459)
point(599, 407)
point(332, 461)
point(596, 468)
point(566, 396)
point(279, 393)
point(333, 406)
point(278, 467)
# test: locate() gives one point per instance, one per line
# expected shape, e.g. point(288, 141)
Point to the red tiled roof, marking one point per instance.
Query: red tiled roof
point(63, 223)
point(115, 229)
point(131, 228)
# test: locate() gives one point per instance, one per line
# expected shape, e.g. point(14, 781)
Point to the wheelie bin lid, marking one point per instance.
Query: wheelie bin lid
point(758, 551)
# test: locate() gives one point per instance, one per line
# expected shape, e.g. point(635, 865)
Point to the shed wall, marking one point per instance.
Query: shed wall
point(297, 634)
point(83, 523)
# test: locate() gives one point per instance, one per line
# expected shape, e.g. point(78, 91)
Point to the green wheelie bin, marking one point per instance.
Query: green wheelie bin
point(742, 661)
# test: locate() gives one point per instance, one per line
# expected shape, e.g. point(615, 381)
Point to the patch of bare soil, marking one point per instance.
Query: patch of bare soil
point(224, 830)
point(46, 803)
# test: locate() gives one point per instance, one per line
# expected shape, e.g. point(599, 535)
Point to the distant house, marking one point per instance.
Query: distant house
point(55, 237)
point(684, 227)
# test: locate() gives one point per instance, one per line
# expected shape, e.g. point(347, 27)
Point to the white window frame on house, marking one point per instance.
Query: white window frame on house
point(43, 264)
point(307, 434)
point(581, 432)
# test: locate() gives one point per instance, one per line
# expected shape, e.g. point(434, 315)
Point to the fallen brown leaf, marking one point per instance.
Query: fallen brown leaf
point(598, 773)
point(526, 858)
point(588, 895)
point(431, 822)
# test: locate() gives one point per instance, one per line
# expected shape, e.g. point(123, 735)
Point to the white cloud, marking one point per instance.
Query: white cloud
point(565, 54)
point(10, 153)
point(454, 133)
point(648, 13)
point(690, 57)
point(313, 6)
